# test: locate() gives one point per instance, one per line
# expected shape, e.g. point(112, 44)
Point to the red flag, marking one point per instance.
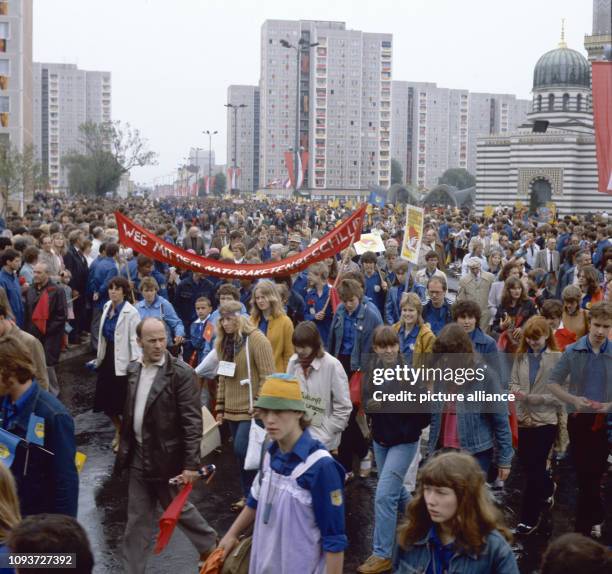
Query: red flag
point(40, 315)
point(170, 517)
point(208, 333)
point(289, 161)
point(602, 116)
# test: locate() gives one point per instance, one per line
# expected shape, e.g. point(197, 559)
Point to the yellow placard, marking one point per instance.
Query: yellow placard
point(413, 233)
point(518, 205)
point(488, 210)
point(79, 460)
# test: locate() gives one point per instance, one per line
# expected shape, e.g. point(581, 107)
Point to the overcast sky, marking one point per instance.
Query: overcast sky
point(172, 60)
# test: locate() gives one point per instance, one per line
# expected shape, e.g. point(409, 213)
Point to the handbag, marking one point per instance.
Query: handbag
point(355, 388)
point(257, 434)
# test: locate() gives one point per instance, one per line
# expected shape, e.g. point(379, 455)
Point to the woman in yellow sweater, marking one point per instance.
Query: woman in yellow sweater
point(268, 316)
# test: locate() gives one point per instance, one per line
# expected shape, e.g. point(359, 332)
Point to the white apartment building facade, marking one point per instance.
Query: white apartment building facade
point(436, 128)
point(64, 98)
point(16, 73)
point(243, 137)
point(344, 99)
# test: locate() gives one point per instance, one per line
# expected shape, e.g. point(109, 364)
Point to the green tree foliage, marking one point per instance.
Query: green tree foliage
point(458, 177)
point(111, 149)
point(20, 173)
point(397, 175)
point(220, 184)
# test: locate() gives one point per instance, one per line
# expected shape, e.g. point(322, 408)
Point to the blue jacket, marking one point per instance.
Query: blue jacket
point(300, 285)
point(162, 309)
point(52, 483)
point(487, 347)
point(437, 318)
point(132, 267)
point(366, 321)
point(10, 283)
point(186, 294)
point(574, 363)
point(495, 556)
point(196, 336)
point(100, 277)
point(481, 426)
point(598, 255)
point(392, 304)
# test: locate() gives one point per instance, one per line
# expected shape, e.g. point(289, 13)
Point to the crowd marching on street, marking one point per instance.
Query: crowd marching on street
point(291, 357)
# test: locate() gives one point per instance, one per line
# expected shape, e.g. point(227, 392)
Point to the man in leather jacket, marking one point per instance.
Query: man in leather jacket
point(160, 439)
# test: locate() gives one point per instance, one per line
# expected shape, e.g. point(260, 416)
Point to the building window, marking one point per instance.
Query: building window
point(4, 105)
point(4, 34)
point(539, 108)
point(579, 103)
point(551, 102)
point(566, 100)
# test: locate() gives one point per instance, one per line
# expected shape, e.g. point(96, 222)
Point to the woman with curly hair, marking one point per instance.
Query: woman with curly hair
point(452, 520)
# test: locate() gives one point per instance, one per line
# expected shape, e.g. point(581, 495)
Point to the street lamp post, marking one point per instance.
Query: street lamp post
point(303, 45)
point(235, 108)
point(210, 135)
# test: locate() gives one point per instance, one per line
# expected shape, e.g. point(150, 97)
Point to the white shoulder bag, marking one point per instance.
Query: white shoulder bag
point(257, 434)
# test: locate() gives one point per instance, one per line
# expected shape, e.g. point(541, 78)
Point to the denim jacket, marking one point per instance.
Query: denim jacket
point(495, 556)
point(479, 431)
point(366, 321)
point(52, 483)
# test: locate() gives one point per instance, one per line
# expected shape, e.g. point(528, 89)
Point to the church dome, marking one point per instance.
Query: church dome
point(562, 68)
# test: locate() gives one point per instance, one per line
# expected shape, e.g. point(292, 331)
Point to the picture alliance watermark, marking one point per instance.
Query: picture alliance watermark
point(431, 383)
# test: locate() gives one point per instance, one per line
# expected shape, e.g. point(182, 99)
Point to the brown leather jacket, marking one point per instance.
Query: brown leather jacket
point(172, 422)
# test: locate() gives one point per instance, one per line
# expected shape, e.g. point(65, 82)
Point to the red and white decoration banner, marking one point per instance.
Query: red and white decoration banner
point(133, 235)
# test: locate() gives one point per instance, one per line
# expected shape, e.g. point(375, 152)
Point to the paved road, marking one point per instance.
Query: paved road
point(102, 499)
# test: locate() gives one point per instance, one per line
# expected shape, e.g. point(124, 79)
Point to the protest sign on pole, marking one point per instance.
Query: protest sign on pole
point(413, 234)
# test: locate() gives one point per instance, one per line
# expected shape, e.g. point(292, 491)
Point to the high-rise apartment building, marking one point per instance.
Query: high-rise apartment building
point(64, 98)
point(435, 128)
point(243, 138)
point(344, 104)
point(16, 73)
point(600, 38)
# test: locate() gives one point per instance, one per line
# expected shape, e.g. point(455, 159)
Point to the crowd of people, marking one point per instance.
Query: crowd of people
point(294, 355)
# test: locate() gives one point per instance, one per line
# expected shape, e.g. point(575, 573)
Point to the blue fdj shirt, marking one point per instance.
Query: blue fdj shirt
point(348, 333)
point(11, 410)
point(110, 324)
point(407, 341)
point(263, 325)
point(441, 554)
point(595, 375)
point(322, 480)
point(374, 290)
point(315, 303)
point(437, 318)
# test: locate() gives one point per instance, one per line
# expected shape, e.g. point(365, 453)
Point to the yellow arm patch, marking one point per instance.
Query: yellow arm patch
point(336, 497)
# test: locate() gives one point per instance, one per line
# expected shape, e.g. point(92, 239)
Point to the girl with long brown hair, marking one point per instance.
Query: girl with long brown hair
point(452, 519)
point(538, 413)
point(268, 316)
point(515, 309)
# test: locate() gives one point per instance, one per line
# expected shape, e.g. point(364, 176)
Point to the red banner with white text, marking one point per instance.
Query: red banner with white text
point(133, 235)
point(602, 116)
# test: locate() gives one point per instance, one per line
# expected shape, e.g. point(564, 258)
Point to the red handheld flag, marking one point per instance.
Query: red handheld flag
point(170, 517)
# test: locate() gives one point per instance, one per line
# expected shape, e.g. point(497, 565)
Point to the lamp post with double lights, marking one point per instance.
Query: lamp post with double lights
point(302, 46)
point(235, 108)
point(210, 135)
